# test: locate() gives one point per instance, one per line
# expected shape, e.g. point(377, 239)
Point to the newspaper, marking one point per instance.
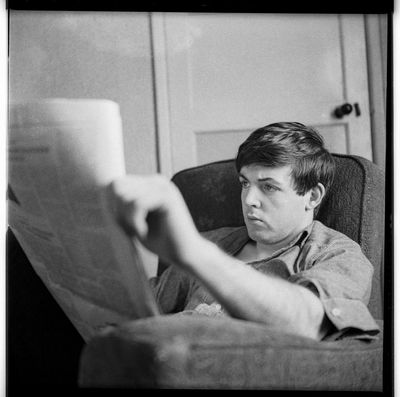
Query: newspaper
point(61, 155)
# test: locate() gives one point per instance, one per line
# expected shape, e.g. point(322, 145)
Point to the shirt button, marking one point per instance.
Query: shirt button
point(336, 312)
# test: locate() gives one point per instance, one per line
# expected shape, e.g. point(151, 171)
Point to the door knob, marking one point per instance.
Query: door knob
point(343, 110)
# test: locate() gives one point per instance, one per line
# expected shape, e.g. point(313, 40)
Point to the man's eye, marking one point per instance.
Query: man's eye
point(269, 188)
point(245, 184)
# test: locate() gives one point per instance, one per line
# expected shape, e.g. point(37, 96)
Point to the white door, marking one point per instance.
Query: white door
point(220, 76)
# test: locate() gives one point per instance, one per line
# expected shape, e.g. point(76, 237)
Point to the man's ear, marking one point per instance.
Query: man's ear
point(316, 194)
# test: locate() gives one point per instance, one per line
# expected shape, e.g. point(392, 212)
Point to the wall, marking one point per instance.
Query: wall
point(89, 55)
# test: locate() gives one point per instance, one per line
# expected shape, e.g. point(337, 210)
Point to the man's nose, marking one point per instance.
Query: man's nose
point(251, 198)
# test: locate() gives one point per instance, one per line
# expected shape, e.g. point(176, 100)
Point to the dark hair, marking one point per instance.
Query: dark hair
point(294, 144)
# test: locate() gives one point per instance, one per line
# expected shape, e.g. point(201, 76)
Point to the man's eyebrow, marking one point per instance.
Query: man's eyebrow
point(266, 179)
point(269, 179)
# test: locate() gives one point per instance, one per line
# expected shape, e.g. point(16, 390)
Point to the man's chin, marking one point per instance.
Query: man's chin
point(260, 234)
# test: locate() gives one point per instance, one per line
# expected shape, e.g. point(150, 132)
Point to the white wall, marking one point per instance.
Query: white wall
point(90, 55)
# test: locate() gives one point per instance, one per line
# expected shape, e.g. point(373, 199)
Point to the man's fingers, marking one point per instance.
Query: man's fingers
point(152, 209)
point(132, 218)
point(125, 209)
point(132, 198)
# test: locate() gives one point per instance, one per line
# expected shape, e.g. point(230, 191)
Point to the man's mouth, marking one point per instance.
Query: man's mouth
point(252, 217)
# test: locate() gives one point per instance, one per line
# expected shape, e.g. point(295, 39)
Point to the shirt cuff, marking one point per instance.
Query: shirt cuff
point(351, 318)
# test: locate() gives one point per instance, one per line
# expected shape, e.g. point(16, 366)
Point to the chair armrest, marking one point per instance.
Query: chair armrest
point(223, 353)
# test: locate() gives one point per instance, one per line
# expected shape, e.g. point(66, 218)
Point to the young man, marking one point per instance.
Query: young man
point(283, 269)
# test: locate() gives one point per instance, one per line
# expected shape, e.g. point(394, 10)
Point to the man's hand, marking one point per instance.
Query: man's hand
point(152, 209)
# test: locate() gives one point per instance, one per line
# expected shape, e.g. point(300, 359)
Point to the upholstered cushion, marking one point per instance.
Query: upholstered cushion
point(223, 353)
point(356, 206)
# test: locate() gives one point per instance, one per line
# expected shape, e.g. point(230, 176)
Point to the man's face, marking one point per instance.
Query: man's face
point(273, 212)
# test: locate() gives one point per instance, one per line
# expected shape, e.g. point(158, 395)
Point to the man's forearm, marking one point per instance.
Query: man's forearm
point(248, 294)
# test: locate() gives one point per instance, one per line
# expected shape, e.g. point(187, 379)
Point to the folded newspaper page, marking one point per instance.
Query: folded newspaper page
point(61, 155)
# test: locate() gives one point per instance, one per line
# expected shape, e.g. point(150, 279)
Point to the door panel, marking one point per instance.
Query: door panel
point(336, 137)
point(228, 74)
point(218, 145)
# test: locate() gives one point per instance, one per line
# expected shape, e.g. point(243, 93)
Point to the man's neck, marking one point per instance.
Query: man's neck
point(267, 250)
point(254, 250)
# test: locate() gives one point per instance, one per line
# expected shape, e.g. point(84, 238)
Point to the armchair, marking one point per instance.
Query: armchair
point(223, 353)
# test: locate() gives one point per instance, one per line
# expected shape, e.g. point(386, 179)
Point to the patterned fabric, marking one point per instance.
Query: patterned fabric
point(321, 259)
point(202, 352)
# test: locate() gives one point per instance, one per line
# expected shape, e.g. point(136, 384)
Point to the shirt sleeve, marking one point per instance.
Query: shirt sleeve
point(341, 276)
point(171, 289)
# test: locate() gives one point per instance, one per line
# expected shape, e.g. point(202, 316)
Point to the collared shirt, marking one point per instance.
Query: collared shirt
point(327, 262)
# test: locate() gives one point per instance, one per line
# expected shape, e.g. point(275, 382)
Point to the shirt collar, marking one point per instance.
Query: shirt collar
point(235, 241)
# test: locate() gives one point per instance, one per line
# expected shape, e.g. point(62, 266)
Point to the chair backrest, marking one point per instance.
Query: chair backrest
point(354, 206)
